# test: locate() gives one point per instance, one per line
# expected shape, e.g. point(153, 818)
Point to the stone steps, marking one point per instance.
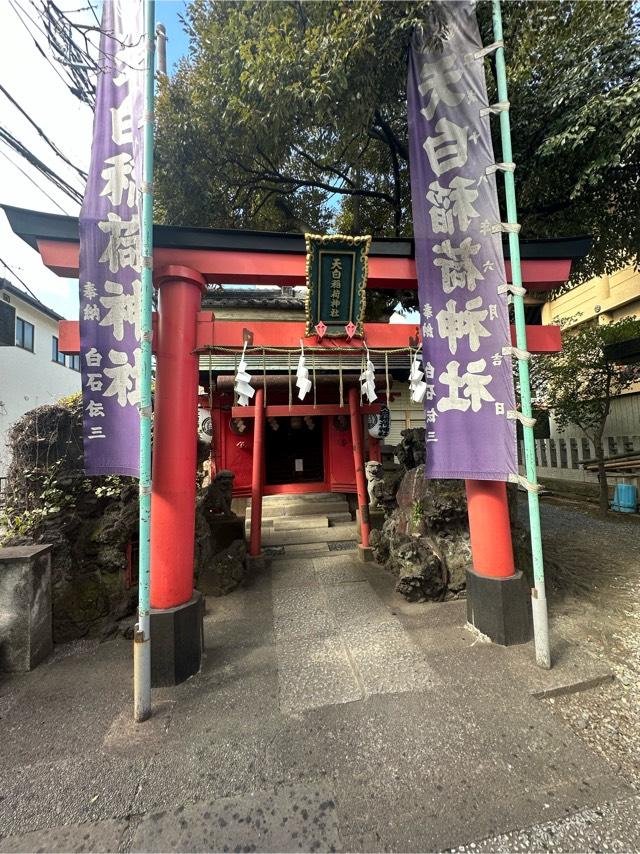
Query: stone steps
point(272, 500)
point(340, 533)
point(324, 508)
point(305, 525)
point(307, 550)
point(282, 523)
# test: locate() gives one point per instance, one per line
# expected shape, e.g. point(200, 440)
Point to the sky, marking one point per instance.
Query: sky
point(32, 81)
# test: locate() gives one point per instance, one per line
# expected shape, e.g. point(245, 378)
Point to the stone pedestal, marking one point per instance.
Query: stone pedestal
point(176, 642)
point(225, 530)
point(500, 608)
point(26, 633)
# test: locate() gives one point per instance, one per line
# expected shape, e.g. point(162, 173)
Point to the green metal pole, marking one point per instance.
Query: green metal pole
point(538, 595)
point(142, 639)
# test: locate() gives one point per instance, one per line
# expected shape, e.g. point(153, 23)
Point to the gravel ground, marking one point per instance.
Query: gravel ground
point(592, 568)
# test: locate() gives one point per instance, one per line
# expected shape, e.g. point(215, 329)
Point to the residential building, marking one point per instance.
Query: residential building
point(604, 299)
point(33, 371)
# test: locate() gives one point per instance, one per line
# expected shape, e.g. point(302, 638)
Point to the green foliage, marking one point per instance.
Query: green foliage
point(579, 383)
point(110, 486)
point(72, 402)
point(292, 116)
point(574, 87)
point(48, 498)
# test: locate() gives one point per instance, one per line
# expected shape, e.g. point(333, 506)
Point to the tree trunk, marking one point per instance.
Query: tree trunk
point(602, 477)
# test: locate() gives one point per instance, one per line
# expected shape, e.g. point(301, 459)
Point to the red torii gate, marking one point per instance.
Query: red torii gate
point(185, 260)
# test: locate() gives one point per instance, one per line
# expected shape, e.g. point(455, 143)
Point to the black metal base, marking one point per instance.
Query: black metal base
point(176, 642)
point(500, 608)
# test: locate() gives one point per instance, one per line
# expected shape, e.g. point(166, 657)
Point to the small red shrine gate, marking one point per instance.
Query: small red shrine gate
point(185, 260)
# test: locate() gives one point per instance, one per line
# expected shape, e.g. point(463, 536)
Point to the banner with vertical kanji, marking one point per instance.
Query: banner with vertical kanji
point(110, 246)
point(459, 258)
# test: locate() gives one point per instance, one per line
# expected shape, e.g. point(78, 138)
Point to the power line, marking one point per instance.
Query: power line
point(22, 282)
point(36, 43)
point(35, 183)
point(15, 144)
point(42, 134)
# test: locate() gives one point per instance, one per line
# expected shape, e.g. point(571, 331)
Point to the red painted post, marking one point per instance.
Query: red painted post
point(490, 529)
point(257, 478)
point(358, 459)
point(175, 432)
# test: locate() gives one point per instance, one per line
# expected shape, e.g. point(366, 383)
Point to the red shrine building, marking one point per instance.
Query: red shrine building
point(277, 443)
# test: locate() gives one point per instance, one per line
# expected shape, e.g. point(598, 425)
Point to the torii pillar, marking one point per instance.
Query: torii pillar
point(498, 600)
point(176, 608)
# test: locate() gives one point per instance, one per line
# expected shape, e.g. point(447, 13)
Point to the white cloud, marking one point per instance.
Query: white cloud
point(34, 84)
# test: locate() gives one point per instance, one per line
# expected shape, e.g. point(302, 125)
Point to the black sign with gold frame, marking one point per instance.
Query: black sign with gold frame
point(337, 267)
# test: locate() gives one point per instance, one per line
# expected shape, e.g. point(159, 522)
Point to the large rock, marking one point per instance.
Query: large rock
point(225, 571)
point(425, 540)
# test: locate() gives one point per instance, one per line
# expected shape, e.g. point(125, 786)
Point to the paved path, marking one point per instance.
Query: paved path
point(330, 714)
point(336, 641)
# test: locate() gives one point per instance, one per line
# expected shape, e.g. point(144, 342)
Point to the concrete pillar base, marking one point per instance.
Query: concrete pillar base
point(176, 642)
point(255, 564)
point(365, 553)
point(500, 608)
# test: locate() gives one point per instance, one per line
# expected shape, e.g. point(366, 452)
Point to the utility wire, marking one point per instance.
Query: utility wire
point(42, 134)
point(36, 43)
point(15, 144)
point(35, 183)
point(22, 282)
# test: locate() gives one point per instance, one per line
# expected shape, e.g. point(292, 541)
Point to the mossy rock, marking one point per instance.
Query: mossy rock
point(81, 605)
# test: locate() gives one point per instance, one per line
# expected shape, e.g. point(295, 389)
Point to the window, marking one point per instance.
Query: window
point(56, 355)
point(24, 334)
point(73, 362)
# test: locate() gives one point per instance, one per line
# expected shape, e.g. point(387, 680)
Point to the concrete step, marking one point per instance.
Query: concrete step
point(306, 549)
point(343, 533)
point(294, 523)
point(288, 523)
point(324, 508)
point(273, 500)
point(337, 518)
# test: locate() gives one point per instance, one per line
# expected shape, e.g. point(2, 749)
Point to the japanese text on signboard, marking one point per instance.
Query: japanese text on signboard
point(110, 245)
point(459, 259)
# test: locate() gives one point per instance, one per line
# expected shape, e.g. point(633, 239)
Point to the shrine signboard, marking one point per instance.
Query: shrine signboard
point(337, 268)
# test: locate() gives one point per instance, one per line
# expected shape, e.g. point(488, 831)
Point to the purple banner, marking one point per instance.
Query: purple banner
point(459, 260)
point(110, 247)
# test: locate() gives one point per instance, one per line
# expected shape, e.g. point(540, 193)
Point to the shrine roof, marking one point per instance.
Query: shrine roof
point(248, 297)
point(32, 226)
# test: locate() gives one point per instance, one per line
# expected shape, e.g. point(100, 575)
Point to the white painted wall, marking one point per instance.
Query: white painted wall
point(30, 379)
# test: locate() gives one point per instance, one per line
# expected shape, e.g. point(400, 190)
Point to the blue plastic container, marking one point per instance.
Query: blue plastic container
point(625, 498)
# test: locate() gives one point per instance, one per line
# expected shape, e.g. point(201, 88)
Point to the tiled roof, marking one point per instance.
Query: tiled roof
point(249, 298)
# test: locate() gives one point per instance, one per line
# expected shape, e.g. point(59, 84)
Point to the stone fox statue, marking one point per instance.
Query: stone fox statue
point(379, 493)
point(218, 495)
